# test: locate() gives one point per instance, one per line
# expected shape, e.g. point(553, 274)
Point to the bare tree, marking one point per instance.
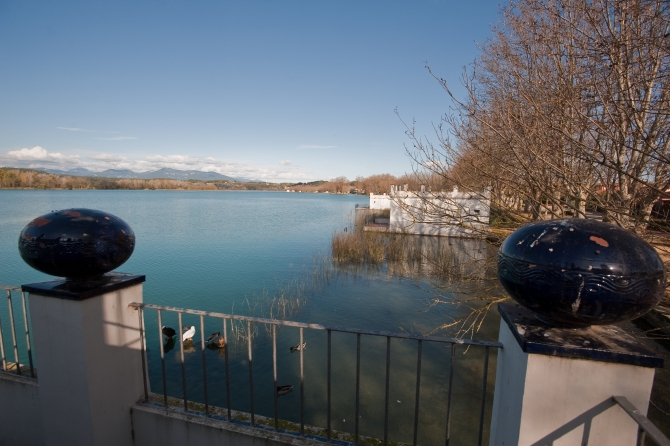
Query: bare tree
point(567, 105)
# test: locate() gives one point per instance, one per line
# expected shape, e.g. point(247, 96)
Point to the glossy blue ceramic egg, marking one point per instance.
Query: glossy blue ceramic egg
point(76, 243)
point(577, 272)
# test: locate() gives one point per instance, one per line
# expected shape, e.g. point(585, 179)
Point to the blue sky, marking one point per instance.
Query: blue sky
point(271, 90)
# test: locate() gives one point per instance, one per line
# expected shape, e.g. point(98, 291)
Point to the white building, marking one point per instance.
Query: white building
point(454, 214)
point(380, 201)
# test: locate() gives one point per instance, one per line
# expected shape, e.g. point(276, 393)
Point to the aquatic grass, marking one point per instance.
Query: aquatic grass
point(374, 247)
point(450, 275)
point(287, 299)
point(238, 329)
point(347, 247)
point(358, 247)
point(355, 245)
point(395, 248)
point(291, 295)
point(412, 253)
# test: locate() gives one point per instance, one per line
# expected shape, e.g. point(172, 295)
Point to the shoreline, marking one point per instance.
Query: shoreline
point(173, 190)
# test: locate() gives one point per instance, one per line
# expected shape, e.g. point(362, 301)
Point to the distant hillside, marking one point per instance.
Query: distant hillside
point(18, 178)
point(311, 183)
point(172, 174)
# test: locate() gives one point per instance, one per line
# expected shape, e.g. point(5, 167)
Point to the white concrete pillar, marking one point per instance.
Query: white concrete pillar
point(87, 348)
point(554, 385)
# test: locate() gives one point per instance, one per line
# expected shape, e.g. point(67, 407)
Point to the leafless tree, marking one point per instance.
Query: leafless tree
point(566, 105)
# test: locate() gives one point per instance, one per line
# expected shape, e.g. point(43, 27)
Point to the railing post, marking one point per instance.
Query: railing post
point(90, 369)
point(555, 385)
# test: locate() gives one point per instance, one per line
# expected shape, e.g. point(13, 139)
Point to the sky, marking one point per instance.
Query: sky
point(269, 90)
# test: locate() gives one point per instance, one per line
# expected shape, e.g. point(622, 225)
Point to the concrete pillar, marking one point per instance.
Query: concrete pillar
point(89, 366)
point(554, 385)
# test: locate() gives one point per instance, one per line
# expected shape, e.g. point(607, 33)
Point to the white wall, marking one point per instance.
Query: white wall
point(455, 214)
point(90, 367)
point(380, 201)
point(21, 423)
point(541, 399)
point(20, 414)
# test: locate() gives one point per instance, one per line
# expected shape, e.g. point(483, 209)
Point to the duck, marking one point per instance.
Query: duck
point(283, 390)
point(212, 337)
point(222, 342)
point(298, 347)
point(188, 333)
point(168, 332)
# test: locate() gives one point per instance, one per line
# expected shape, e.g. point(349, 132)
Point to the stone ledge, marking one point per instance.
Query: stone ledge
point(607, 343)
point(223, 430)
point(84, 289)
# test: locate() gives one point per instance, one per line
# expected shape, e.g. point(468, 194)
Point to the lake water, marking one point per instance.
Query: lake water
point(233, 252)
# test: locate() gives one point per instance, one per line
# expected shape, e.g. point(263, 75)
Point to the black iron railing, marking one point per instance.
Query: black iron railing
point(273, 324)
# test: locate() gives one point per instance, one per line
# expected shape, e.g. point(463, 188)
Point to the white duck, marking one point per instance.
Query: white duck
point(188, 333)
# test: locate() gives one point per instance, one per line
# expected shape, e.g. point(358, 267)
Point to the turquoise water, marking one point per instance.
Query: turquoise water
point(232, 252)
point(201, 250)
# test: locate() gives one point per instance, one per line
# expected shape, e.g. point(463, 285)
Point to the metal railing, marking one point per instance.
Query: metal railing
point(18, 352)
point(16, 365)
point(585, 421)
point(645, 427)
point(486, 345)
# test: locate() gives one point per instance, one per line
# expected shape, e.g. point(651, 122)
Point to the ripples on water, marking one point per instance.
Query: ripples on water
point(231, 252)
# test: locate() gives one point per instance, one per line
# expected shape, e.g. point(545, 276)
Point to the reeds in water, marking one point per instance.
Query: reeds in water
point(358, 247)
point(285, 301)
point(454, 272)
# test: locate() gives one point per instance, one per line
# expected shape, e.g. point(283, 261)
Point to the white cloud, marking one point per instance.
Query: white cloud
point(38, 157)
point(110, 158)
point(36, 153)
point(74, 129)
point(118, 138)
point(315, 147)
point(177, 159)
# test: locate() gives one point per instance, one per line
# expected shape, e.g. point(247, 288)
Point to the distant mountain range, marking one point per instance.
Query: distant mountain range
point(172, 174)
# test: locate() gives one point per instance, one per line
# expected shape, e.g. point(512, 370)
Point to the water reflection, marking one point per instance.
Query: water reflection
point(273, 256)
point(436, 363)
point(437, 282)
point(169, 345)
point(221, 350)
point(284, 390)
point(443, 258)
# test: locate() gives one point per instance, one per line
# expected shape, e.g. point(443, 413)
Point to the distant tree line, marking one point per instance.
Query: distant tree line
point(12, 178)
point(15, 178)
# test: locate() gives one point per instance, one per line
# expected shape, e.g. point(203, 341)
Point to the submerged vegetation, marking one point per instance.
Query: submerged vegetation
point(453, 272)
point(457, 277)
point(287, 299)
